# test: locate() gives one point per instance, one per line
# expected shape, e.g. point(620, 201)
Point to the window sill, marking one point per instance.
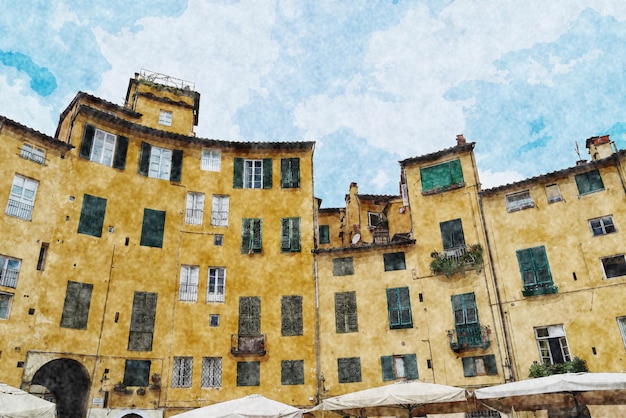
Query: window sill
point(522, 207)
point(591, 192)
point(535, 291)
point(443, 189)
point(402, 326)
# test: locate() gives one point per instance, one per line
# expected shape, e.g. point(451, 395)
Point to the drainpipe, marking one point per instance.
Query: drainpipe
point(318, 362)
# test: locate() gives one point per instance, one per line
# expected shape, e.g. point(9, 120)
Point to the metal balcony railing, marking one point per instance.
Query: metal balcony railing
point(242, 345)
point(464, 337)
point(8, 277)
point(194, 216)
point(381, 235)
point(188, 292)
point(32, 156)
point(19, 210)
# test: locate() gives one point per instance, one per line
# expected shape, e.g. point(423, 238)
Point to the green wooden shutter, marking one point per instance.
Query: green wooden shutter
point(292, 372)
point(346, 317)
point(456, 172)
point(471, 311)
point(457, 309)
point(177, 165)
point(399, 308)
point(351, 312)
point(394, 261)
point(153, 228)
point(267, 173)
point(142, 321)
point(246, 234)
point(393, 308)
point(324, 234)
point(92, 215)
point(406, 317)
point(84, 301)
point(526, 266)
point(70, 305)
point(295, 234)
point(340, 322)
point(595, 180)
point(249, 315)
point(121, 148)
point(144, 158)
point(238, 173)
point(291, 315)
point(248, 373)
point(257, 239)
point(137, 372)
point(285, 234)
point(542, 268)
point(410, 366)
point(85, 146)
point(290, 172)
point(490, 364)
point(386, 363)
point(469, 369)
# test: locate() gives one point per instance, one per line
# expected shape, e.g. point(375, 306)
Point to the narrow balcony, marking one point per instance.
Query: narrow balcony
point(465, 337)
point(247, 345)
point(8, 277)
point(19, 210)
point(381, 235)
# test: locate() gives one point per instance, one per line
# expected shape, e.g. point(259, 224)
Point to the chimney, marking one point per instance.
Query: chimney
point(460, 140)
point(599, 147)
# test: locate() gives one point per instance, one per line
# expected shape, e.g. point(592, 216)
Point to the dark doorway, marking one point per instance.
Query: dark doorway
point(68, 381)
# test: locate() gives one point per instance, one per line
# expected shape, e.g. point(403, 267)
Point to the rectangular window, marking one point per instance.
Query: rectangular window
point(22, 197)
point(324, 234)
point(218, 240)
point(9, 271)
point(211, 160)
point(290, 235)
point(181, 372)
point(291, 315)
point(480, 366)
point(5, 304)
point(249, 315)
point(452, 235)
point(621, 323)
point(137, 373)
point(614, 266)
point(165, 118)
point(142, 321)
point(252, 174)
point(602, 226)
point(214, 320)
point(553, 193)
point(152, 228)
point(248, 373)
point(160, 163)
point(76, 306)
point(33, 153)
point(519, 201)
point(289, 173)
point(394, 261)
point(375, 219)
point(43, 252)
point(188, 283)
point(535, 271)
point(399, 308)
point(346, 313)
point(399, 367)
point(92, 215)
point(251, 242)
point(552, 344)
point(292, 372)
point(469, 333)
point(589, 182)
point(211, 372)
point(442, 177)
point(216, 284)
point(464, 309)
point(219, 210)
point(104, 148)
point(195, 208)
point(349, 369)
point(343, 266)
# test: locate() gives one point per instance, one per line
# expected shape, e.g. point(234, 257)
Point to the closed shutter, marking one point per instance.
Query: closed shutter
point(399, 308)
point(457, 309)
point(267, 173)
point(525, 261)
point(121, 148)
point(177, 165)
point(153, 228)
point(456, 172)
point(142, 321)
point(249, 315)
point(410, 366)
point(248, 373)
point(291, 315)
point(92, 215)
point(257, 241)
point(290, 172)
point(324, 234)
point(290, 234)
point(292, 372)
point(76, 307)
point(469, 369)
point(490, 364)
point(87, 144)
point(346, 318)
point(246, 234)
point(238, 173)
point(349, 369)
point(542, 268)
point(394, 261)
point(144, 158)
point(386, 363)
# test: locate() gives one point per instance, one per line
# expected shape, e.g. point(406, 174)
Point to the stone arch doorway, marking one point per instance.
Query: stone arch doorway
point(69, 382)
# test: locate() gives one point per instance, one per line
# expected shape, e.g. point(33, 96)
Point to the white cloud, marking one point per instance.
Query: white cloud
point(19, 104)
point(381, 180)
point(489, 179)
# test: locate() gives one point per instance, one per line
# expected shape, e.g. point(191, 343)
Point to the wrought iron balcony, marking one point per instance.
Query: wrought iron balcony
point(8, 277)
point(465, 337)
point(188, 292)
point(246, 345)
point(19, 210)
point(194, 216)
point(380, 235)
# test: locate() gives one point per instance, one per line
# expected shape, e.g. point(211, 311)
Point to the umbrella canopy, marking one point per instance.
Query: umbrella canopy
point(559, 391)
point(15, 403)
point(402, 398)
point(251, 406)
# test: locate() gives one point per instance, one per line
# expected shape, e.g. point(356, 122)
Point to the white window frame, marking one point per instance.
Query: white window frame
point(253, 174)
point(519, 200)
point(33, 153)
point(188, 290)
point(9, 271)
point(103, 148)
point(22, 197)
point(194, 208)
point(219, 210)
point(608, 257)
point(553, 331)
point(603, 224)
point(211, 372)
point(218, 275)
point(555, 195)
point(374, 219)
point(6, 300)
point(211, 160)
point(182, 372)
point(160, 163)
point(621, 323)
point(165, 117)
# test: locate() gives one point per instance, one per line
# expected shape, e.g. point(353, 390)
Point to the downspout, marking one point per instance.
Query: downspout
point(618, 165)
point(318, 362)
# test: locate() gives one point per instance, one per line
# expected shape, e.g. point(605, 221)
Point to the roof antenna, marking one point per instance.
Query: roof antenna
point(580, 159)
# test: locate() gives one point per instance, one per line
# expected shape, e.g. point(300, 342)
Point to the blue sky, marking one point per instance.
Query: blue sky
point(372, 82)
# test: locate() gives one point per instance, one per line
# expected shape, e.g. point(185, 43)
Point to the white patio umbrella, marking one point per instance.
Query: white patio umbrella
point(556, 392)
point(401, 398)
point(16, 403)
point(251, 406)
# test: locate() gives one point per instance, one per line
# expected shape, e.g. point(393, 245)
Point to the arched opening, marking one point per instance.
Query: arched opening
point(68, 381)
point(132, 416)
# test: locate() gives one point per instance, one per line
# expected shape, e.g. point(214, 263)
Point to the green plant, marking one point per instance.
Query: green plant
point(575, 365)
point(441, 264)
point(473, 255)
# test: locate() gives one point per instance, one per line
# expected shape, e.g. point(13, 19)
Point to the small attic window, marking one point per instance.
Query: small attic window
point(553, 193)
point(519, 201)
point(33, 153)
point(375, 219)
point(165, 118)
